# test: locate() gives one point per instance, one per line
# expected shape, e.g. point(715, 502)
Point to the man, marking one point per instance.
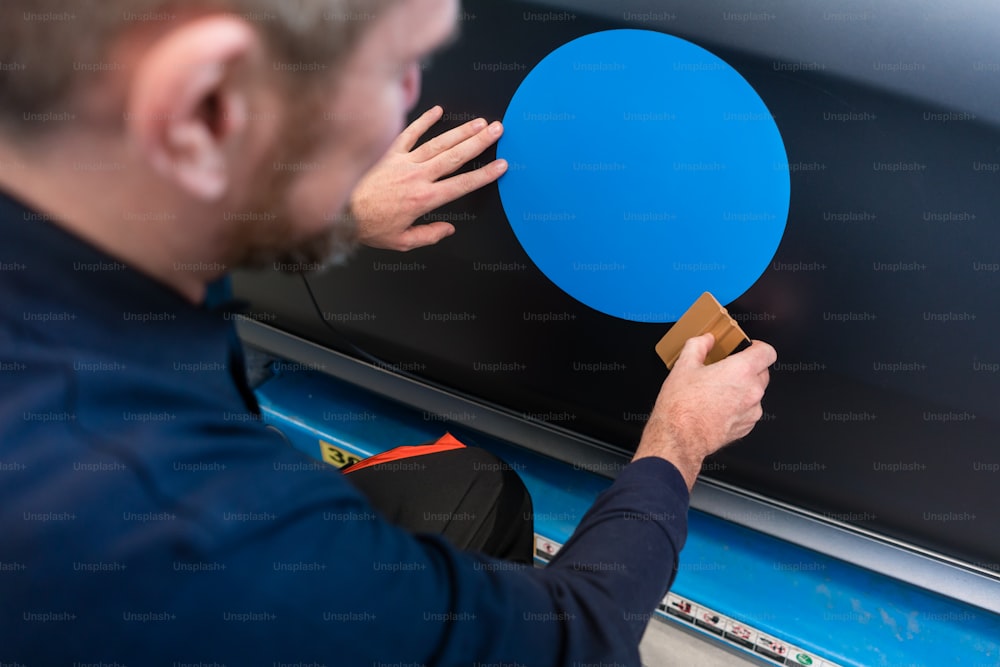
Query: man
point(147, 147)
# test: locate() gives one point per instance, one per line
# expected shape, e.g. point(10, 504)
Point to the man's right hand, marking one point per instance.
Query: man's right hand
point(702, 408)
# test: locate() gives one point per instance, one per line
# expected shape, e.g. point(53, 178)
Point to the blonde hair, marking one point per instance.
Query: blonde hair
point(45, 43)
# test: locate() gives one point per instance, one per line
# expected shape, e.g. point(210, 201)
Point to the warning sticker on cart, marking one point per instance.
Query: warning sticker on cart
point(546, 548)
point(771, 647)
point(679, 607)
point(710, 620)
point(740, 634)
point(797, 656)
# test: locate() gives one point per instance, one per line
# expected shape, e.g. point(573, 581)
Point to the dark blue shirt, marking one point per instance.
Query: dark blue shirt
point(144, 508)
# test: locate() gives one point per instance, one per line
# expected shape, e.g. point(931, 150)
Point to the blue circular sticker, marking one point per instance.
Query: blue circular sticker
point(644, 170)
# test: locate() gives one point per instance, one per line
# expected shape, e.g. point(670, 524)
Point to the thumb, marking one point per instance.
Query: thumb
point(694, 351)
point(419, 236)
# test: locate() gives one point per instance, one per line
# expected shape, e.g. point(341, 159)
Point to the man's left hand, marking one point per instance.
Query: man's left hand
point(408, 183)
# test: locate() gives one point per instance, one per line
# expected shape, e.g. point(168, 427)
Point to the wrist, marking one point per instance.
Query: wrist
point(689, 470)
point(663, 444)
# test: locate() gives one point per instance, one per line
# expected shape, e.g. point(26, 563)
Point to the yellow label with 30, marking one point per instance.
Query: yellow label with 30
point(336, 456)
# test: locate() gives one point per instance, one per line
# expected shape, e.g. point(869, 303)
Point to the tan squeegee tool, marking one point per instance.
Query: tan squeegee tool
point(706, 315)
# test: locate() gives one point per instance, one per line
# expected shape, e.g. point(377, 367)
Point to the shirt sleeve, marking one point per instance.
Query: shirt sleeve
point(624, 554)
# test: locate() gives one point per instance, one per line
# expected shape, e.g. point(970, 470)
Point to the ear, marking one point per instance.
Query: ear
point(186, 104)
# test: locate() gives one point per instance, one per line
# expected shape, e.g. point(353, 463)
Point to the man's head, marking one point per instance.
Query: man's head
point(204, 133)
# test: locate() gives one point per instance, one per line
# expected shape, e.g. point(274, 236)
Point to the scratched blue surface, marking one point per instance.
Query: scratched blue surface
point(848, 614)
point(841, 612)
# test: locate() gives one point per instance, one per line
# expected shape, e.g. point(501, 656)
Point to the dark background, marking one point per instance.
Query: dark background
point(881, 300)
